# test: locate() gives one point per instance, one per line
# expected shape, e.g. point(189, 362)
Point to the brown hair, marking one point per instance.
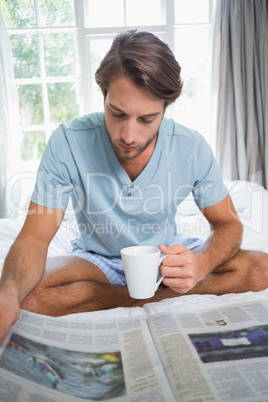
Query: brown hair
point(146, 60)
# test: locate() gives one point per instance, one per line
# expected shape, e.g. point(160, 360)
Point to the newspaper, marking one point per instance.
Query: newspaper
point(166, 351)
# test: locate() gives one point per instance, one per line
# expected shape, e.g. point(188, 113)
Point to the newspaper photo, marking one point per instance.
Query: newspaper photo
point(46, 359)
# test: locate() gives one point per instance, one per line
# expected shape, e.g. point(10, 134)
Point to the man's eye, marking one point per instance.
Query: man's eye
point(119, 116)
point(146, 121)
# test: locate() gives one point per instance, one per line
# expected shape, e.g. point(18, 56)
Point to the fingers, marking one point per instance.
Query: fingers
point(180, 279)
point(4, 327)
point(177, 255)
point(176, 249)
point(8, 316)
point(5, 324)
point(180, 285)
point(179, 269)
point(178, 260)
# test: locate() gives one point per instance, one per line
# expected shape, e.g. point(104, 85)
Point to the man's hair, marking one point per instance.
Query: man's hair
point(144, 59)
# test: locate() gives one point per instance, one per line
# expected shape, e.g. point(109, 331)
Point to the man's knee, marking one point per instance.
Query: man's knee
point(258, 267)
point(252, 267)
point(48, 300)
point(71, 298)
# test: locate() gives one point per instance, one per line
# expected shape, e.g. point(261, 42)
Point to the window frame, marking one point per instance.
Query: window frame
point(84, 78)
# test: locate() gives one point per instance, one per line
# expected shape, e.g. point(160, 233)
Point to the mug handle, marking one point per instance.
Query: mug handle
point(162, 277)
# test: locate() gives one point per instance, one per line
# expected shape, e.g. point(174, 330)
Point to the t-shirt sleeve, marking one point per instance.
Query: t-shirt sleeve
point(209, 188)
point(53, 185)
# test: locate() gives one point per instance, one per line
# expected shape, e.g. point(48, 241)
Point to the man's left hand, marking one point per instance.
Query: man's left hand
point(181, 269)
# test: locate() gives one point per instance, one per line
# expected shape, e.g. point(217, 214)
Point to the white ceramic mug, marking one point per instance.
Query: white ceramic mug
point(141, 265)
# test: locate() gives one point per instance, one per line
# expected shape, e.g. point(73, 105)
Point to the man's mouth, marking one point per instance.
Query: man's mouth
point(127, 147)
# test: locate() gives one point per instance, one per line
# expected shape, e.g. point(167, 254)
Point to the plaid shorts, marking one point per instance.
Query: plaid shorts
point(112, 267)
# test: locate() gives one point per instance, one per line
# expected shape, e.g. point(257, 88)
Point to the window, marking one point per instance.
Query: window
point(57, 46)
point(193, 47)
point(43, 38)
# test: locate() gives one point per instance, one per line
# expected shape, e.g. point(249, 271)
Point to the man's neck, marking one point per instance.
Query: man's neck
point(134, 167)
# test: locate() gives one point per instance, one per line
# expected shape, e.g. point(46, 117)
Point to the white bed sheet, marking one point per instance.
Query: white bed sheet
point(251, 202)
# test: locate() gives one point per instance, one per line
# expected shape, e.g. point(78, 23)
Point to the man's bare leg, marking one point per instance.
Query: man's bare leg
point(73, 285)
point(246, 271)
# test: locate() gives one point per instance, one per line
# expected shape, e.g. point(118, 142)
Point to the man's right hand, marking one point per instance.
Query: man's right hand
point(25, 263)
point(9, 312)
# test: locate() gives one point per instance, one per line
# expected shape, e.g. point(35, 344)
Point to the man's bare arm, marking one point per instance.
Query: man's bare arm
point(226, 234)
point(25, 263)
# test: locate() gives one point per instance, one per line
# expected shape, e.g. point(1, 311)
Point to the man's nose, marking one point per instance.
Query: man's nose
point(129, 131)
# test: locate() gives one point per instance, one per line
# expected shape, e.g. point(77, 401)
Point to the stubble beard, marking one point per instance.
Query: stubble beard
point(129, 155)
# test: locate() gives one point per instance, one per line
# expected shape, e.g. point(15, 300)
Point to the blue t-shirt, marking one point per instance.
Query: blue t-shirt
point(113, 212)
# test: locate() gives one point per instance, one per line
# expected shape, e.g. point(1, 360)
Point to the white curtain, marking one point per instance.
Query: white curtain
point(9, 115)
point(242, 123)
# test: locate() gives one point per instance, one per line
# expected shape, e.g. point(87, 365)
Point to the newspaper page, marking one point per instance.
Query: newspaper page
point(214, 353)
point(45, 359)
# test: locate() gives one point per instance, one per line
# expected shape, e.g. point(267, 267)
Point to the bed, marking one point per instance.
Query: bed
point(243, 314)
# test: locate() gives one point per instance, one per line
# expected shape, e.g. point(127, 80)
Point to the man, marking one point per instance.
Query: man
point(126, 170)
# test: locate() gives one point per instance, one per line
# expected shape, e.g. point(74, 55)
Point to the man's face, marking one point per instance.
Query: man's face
point(132, 119)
